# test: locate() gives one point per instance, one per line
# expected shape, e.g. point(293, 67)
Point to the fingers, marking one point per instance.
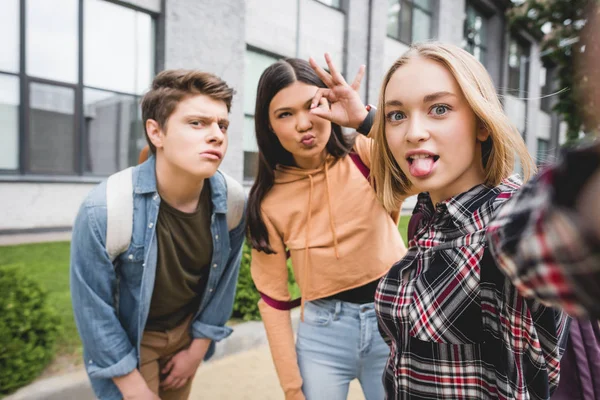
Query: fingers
point(321, 93)
point(322, 110)
point(361, 73)
point(167, 368)
point(324, 75)
point(335, 74)
point(169, 382)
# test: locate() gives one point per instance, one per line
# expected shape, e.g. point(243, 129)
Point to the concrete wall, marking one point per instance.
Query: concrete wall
point(40, 205)
point(451, 17)
point(210, 35)
point(279, 19)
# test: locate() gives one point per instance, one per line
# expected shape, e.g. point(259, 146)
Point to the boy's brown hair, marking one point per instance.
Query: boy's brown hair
point(172, 86)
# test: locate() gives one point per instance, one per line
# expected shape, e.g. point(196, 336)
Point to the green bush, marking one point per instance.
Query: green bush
point(247, 296)
point(28, 329)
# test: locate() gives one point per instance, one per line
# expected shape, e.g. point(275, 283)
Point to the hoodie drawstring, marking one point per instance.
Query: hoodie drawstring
point(331, 223)
point(306, 241)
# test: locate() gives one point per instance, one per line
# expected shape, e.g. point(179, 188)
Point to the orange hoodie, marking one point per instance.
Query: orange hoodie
point(339, 236)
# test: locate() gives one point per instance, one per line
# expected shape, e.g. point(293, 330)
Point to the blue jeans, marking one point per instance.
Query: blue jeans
point(338, 342)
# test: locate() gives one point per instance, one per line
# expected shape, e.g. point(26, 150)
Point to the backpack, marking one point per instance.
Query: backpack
point(119, 209)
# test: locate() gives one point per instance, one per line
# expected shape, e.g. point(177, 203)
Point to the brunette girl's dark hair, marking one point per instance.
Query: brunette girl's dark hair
point(276, 77)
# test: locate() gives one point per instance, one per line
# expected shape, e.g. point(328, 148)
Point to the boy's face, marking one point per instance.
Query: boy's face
point(194, 139)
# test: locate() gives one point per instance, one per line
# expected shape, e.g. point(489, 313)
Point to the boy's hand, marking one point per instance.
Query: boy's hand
point(345, 107)
point(134, 387)
point(183, 365)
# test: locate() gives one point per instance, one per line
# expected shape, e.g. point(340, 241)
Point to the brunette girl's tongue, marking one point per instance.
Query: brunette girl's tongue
point(421, 167)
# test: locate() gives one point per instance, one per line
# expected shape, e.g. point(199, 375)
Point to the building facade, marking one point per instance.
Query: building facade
point(73, 72)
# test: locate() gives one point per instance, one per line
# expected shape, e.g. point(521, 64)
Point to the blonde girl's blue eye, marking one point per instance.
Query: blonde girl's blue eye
point(395, 116)
point(440, 109)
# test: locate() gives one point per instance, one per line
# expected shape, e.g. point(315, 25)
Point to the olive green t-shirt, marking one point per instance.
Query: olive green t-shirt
point(184, 255)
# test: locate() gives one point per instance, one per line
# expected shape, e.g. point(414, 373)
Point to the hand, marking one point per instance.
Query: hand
point(143, 394)
point(346, 108)
point(181, 368)
point(134, 387)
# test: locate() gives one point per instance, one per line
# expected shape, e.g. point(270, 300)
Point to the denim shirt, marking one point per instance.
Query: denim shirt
point(111, 301)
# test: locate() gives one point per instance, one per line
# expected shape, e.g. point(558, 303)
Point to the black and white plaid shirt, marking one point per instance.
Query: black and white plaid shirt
point(456, 326)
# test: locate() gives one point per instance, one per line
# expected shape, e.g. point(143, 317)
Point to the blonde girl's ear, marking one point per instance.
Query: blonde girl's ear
point(483, 133)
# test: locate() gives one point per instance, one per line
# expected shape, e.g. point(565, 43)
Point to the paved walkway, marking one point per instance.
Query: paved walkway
point(249, 375)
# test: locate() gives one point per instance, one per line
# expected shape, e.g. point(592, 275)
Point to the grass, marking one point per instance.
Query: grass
point(403, 227)
point(48, 264)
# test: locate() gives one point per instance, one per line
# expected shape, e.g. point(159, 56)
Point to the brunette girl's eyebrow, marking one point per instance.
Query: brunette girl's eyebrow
point(434, 96)
point(305, 105)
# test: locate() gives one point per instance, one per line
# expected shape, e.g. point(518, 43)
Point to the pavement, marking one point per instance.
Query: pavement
point(241, 369)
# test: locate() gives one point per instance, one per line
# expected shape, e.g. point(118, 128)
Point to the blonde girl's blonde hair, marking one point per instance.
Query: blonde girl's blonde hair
point(504, 139)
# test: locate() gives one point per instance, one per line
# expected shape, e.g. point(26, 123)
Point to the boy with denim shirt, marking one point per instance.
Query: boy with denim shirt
point(149, 315)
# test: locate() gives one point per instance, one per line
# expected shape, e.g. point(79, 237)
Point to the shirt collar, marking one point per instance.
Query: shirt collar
point(459, 209)
point(146, 183)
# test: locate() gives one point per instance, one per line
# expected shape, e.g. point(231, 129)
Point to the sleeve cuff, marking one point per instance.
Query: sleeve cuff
point(212, 332)
point(120, 368)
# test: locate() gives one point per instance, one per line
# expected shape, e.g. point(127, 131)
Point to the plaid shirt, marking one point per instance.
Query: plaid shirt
point(456, 326)
point(544, 246)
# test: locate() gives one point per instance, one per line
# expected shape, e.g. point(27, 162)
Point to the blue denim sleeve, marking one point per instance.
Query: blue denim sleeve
point(211, 323)
point(107, 349)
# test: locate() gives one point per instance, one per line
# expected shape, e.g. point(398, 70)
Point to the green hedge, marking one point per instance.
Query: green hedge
point(246, 297)
point(28, 329)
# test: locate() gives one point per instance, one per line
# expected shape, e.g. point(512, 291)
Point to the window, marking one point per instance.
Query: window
point(475, 33)
point(73, 120)
point(51, 39)
point(547, 79)
point(410, 20)
point(256, 63)
point(9, 32)
point(542, 151)
point(9, 122)
point(518, 68)
point(331, 3)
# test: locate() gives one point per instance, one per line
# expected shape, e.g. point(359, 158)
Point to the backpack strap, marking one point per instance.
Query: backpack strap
point(119, 212)
point(360, 165)
point(236, 199)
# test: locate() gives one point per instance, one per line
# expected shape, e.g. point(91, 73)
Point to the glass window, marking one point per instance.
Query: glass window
point(9, 122)
point(52, 39)
point(410, 20)
point(256, 63)
point(113, 130)
point(518, 70)
point(421, 26)
point(250, 149)
point(117, 55)
point(475, 33)
point(51, 129)
point(547, 79)
point(542, 151)
point(9, 32)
